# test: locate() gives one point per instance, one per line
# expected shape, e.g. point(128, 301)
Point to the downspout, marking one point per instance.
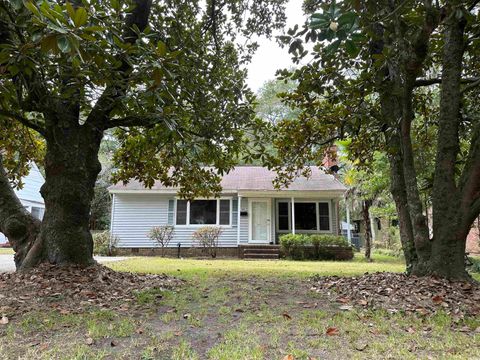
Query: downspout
point(111, 222)
point(349, 231)
point(293, 215)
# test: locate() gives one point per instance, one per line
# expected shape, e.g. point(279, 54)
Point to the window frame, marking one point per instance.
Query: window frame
point(217, 215)
point(317, 231)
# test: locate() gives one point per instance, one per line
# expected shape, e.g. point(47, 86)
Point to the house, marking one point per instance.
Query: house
point(250, 210)
point(29, 195)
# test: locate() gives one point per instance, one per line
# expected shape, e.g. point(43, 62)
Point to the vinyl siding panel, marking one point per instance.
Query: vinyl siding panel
point(134, 215)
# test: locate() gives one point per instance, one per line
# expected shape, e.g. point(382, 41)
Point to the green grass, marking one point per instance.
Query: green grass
point(192, 268)
point(236, 310)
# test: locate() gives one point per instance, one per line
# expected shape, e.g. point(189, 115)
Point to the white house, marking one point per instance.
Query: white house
point(249, 210)
point(29, 195)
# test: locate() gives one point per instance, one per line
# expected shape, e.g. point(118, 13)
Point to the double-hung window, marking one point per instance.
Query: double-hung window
point(204, 212)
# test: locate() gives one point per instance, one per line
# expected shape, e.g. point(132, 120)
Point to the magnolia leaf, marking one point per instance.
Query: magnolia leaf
point(80, 17)
point(63, 44)
point(161, 48)
point(70, 10)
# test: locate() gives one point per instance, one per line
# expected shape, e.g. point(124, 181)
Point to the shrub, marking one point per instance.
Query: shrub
point(316, 246)
point(104, 244)
point(294, 245)
point(162, 235)
point(207, 238)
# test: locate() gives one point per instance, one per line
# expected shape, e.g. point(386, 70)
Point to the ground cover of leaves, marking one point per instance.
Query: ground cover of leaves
point(73, 289)
point(401, 293)
point(220, 312)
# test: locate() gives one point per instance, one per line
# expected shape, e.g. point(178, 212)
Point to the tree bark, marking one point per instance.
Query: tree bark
point(16, 223)
point(368, 230)
point(71, 169)
point(449, 226)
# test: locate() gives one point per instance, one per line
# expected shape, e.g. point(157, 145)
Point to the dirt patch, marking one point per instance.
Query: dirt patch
point(73, 289)
point(401, 293)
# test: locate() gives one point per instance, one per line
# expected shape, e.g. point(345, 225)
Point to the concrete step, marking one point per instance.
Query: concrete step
point(271, 256)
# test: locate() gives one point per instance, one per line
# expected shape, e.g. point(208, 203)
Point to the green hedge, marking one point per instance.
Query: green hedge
point(316, 247)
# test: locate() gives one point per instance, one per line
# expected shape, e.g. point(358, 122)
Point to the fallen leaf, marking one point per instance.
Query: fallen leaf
point(139, 331)
point(113, 343)
point(89, 341)
point(4, 320)
point(332, 331)
point(239, 310)
point(438, 299)
point(343, 300)
point(289, 357)
point(286, 316)
point(346, 307)
point(411, 330)
point(187, 316)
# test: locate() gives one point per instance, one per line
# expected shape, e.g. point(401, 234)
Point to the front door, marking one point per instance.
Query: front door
point(259, 221)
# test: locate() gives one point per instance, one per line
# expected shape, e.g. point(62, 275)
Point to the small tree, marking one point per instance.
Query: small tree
point(207, 238)
point(162, 235)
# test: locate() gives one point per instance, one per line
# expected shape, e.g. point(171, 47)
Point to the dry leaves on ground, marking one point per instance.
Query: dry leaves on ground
point(72, 289)
point(398, 292)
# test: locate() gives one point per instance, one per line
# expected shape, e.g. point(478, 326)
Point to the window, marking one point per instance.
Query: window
point(309, 216)
point(181, 212)
point(323, 216)
point(305, 216)
point(224, 212)
point(283, 216)
point(203, 212)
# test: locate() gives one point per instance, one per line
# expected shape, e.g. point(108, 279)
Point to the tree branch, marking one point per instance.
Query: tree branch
point(428, 82)
point(137, 18)
point(24, 121)
point(135, 120)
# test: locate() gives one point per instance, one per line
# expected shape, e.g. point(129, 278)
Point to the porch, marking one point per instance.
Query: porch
point(264, 219)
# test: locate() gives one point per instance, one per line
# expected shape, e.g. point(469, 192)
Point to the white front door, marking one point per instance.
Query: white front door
point(259, 210)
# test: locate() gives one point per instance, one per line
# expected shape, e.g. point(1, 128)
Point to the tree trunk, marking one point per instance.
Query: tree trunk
point(71, 169)
point(450, 214)
point(368, 230)
point(16, 223)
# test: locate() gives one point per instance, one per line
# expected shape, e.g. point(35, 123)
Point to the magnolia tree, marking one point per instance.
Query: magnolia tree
point(166, 75)
point(372, 66)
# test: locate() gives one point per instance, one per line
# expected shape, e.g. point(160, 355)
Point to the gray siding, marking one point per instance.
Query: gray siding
point(134, 215)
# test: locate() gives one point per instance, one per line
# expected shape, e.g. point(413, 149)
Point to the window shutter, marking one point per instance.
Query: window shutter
point(171, 209)
point(234, 212)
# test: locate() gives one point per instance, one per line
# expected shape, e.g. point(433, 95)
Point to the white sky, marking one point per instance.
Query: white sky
point(270, 56)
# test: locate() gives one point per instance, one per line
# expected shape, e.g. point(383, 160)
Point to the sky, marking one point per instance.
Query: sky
point(270, 56)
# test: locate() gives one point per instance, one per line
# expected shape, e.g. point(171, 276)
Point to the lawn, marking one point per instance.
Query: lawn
point(235, 309)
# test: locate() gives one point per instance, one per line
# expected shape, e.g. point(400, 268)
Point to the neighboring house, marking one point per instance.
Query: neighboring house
point(249, 210)
point(29, 195)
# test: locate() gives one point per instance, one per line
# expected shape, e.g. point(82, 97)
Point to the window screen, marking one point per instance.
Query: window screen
point(324, 216)
point(283, 216)
point(224, 212)
point(181, 212)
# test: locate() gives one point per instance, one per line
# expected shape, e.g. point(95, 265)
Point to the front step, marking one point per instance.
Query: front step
point(260, 252)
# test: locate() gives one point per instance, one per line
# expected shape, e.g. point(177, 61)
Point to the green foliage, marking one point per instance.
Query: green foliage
point(173, 69)
point(207, 238)
point(104, 244)
point(315, 246)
